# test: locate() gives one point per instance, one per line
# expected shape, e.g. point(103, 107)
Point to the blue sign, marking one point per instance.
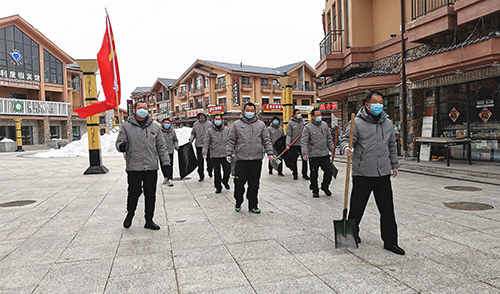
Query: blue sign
point(15, 55)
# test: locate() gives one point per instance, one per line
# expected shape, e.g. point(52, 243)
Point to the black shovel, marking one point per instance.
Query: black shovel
point(335, 171)
point(345, 230)
point(277, 159)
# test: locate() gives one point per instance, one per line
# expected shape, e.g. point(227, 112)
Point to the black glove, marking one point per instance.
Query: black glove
point(123, 147)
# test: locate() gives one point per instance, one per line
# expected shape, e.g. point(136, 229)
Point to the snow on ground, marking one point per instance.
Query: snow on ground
point(80, 148)
point(7, 140)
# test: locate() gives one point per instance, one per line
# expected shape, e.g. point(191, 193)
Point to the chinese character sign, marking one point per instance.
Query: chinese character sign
point(273, 107)
point(236, 92)
point(218, 109)
point(329, 106)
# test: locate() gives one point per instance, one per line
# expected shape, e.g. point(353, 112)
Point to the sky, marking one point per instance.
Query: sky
point(161, 39)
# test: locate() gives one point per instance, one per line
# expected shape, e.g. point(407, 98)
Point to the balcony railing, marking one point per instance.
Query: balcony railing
point(248, 85)
point(332, 43)
point(32, 107)
point(420, 8)
point(266, 87)
point(304, 88)
point(219, 86)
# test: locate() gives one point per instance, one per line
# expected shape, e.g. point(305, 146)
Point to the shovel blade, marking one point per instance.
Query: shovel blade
point(276, 162)
point(345, 230)
point(334, 170)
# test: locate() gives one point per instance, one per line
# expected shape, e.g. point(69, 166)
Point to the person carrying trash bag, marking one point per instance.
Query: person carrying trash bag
point(293, 130)
point(317, 144)
point(247, 138)
point(172, 144)
point(215, 144)
point(374, 160)
point(200, 128)
point(276, 132)
point(142, 141)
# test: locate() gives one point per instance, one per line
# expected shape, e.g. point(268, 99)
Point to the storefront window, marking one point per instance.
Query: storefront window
point(52, 69)
point(76, 133)
point(27, 135)
point(453, 111)
point(485, 108)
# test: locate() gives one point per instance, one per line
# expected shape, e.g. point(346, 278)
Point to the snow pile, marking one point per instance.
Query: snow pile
point(80, 148)
point(7, 140)
point(183, 135)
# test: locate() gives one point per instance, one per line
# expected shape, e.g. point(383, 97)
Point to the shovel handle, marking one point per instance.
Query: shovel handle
point(335, 143)
point(348, 169)
point(288, 147)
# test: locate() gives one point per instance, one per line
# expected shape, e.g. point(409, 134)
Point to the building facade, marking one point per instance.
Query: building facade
point(39, 84)
point(451, 63)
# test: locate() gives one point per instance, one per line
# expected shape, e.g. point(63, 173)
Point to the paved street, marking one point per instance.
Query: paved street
point(71, 239)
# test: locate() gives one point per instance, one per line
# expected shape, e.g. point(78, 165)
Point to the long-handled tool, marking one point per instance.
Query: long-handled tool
point(277, 159)
point(345, 230)
point(334, 168)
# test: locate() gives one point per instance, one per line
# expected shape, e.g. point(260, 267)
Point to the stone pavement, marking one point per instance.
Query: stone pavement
point(71, 240)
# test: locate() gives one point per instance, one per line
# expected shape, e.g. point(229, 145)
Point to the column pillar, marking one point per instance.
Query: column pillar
point(287, 98)
point(19, 136)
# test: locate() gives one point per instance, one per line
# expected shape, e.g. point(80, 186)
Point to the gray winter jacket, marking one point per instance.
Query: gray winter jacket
point(247, 137)
point(144, 145)
point(316, 140)
point(200, 129)
point(374, 142)
point(170, 139)
point(275, 132)
point(216, 141)
point(293, 130)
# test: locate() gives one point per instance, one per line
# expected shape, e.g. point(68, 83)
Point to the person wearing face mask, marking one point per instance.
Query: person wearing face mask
point(317, 145)
point(276, 132)
point(293, 130)
point(143, 143)
point(172, 144)
point(200, 128)
point(374, 160)
point(215, 144)
point(247, 137)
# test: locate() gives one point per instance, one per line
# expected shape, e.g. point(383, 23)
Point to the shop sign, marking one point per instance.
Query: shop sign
point(130, 107)
point(273, 108)
point(191, 113)
point(19, 79)
point(329, 106)
point(485, 114)
point(33, 107)
point(236, 92)
point(454, 114)
point(217, 109)
point(304, 107)
point(485, 103)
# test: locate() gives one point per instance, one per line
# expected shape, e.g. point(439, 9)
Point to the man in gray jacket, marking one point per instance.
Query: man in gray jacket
point(142, 141)
point(172, 144)
point(276, 132)
point(247, 137)
point(293, 130)
point(200, 128)
point(317, 144)
point(215, 144)
point(374, 160)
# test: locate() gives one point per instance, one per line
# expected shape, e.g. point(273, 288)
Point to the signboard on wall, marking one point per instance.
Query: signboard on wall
point(272, 108)
point(236, 92)
point(33, 107)
point(217, 109)
point(130, 107)
point(329, 106)
point(427, 126)
point(191, 113)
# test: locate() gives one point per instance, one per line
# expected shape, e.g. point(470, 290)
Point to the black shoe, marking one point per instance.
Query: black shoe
point(316, 194)
point(295, 177)
point(306, 177)
point(270, 172)
point(281, 174)
point(210, 175)
point(150, 224)
point(327, 192)
point(201, 179)
point(357, 238)
point(395, 249)
point(227, 187)
point(128, 221)
point(218, 191)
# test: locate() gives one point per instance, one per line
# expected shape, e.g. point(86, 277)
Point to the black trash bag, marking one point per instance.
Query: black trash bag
point(187, 160)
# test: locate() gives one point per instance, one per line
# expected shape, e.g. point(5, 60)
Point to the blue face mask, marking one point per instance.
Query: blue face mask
point(376, 109)
point(318, 118)
point(299, 116)
point(275, 122)
point(249, 115)
point(141, 112)
point(166, 126)
point(217, 122)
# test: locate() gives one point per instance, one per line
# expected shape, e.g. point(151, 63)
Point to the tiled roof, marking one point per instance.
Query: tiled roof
point(167, 82)
point(245, 68)
point(73, 66)
point(286, 68)
point(140, 90)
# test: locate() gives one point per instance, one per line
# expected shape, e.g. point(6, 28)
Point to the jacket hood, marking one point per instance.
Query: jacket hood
point(202, 112)
point(316, 123)
point(134, 121)
point(275, 126)
point(363, 114)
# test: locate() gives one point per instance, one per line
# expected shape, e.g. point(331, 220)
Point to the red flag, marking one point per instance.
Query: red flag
point(110, 76)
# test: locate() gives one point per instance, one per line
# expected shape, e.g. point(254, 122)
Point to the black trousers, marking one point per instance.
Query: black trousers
point(326, 166)
point(139, 182)
point(280, 167)
point(382, 190)
point(199, 156)
point(247, 171)
point(218, 177)
point(168, 170)
point(295, 152)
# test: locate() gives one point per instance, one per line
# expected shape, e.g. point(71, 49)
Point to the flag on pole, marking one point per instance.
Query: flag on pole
point(110, 76)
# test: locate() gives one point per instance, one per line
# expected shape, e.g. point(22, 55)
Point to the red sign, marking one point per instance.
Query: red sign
point(329, 106)
point(273, 108)
point(217, 109)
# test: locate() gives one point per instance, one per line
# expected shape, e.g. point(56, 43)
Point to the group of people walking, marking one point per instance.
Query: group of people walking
point(374, 157)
